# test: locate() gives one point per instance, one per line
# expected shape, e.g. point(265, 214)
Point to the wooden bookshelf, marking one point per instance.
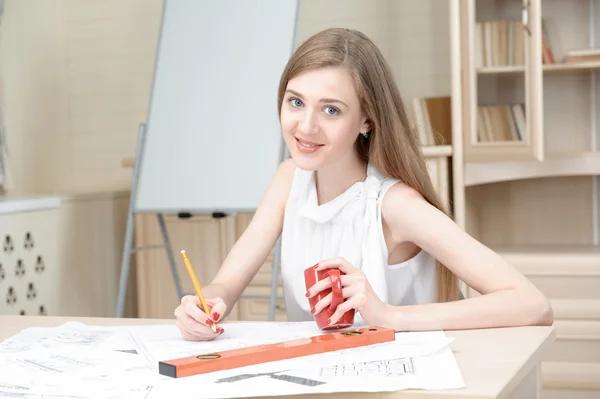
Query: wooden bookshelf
point(576, 164)
point(548, 68)
point(437, 151)
point(533, 197)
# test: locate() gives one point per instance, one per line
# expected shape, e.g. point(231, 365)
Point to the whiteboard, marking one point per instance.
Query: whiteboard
point(213, 139)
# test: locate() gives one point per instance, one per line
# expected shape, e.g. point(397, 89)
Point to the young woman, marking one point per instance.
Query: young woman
point(356, 195)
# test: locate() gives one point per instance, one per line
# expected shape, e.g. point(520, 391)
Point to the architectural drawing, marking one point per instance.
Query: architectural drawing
point(388, 368)
point(54, 363)
point(277, 376)
point(47, 338)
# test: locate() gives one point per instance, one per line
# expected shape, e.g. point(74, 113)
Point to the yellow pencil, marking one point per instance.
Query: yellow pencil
point(197, 286)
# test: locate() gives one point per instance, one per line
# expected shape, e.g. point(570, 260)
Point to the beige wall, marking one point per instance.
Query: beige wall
point(77, 76)
point(412, 34)
point(33, 92)
point(110, 47)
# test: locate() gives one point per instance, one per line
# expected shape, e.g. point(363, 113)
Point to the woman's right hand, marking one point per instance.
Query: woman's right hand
point(194, 324)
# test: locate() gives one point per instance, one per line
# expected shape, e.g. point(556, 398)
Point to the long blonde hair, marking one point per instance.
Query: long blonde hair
point(393, 146)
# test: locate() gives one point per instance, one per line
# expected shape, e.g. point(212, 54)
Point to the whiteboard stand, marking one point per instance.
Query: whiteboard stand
point(274, 279)
point(275, 268)
point(128, 249)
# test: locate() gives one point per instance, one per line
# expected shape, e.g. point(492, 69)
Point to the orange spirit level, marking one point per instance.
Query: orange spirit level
point(230, 359)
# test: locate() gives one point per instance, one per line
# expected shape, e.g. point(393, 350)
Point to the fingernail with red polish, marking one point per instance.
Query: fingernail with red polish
point(209, 322)
point(328, 322)
point(220, 330)
point(215, 316)
point(307, 293)
point(315, 266)
point(312, 310)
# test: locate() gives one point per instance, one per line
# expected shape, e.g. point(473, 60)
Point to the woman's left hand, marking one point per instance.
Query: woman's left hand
point(357, 293)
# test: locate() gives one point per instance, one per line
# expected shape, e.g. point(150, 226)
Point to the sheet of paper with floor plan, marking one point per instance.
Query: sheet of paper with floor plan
point(73, 360)
point(68, 334)
point(437, 370)
point(413, 360)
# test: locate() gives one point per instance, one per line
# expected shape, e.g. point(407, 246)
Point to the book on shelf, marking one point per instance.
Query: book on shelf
point(432, 119)
point(504, 122)
point(547, 55)
point(582, 55)
point(501, 43)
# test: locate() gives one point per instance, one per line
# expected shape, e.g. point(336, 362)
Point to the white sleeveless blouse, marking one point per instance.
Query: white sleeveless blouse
point(349, 226)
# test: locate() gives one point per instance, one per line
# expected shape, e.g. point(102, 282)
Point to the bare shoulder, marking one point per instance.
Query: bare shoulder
point(403, 210)
point(399, 199)
point(285, 174)
point(287, 168)
point(280, 186)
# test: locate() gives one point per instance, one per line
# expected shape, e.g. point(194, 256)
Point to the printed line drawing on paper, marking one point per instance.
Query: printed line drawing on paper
point(389, 368)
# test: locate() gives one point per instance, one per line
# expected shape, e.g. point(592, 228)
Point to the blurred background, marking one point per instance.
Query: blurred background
point(503, 94)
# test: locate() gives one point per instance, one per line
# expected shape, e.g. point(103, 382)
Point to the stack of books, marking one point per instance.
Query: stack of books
point(582, 55)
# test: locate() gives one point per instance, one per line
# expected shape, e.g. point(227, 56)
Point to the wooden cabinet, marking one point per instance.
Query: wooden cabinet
point(570, 277)
point(206, 241)
point(502, 80)
point(528, 112)
point(437, 159)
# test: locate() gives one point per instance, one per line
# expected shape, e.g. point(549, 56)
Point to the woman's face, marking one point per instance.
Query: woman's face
point(321, 117)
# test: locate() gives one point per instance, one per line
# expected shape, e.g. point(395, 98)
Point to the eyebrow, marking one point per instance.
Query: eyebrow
point(323, 100)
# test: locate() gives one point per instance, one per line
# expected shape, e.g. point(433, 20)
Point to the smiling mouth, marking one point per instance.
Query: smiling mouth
point(307, 144)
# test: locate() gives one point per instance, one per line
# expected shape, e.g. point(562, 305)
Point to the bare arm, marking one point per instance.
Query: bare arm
point(255, 244)
point(508, 298)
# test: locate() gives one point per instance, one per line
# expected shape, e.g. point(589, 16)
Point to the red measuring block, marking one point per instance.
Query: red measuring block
point(230, 359)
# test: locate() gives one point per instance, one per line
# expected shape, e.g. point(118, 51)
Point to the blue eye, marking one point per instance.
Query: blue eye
point(295, 102)
point(333, 110)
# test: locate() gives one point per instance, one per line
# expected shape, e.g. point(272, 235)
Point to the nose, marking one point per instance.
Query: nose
point(307, 124)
